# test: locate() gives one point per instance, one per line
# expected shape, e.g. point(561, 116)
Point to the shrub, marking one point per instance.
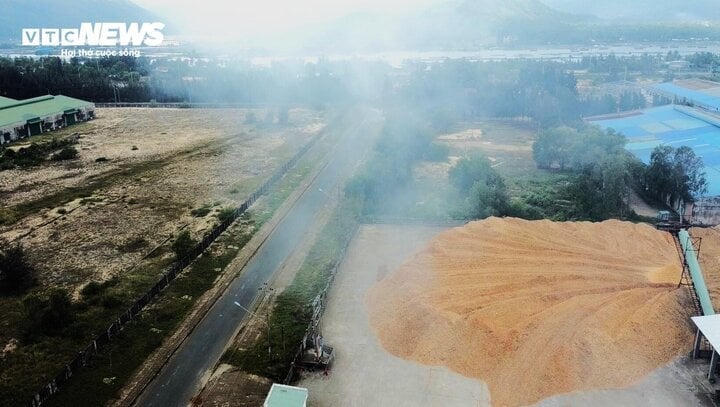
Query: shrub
point(134, 245)
point(16, 274)
point(110, 301)
point(200, 212)
point(225, 214)
point(183, 245)
point(47, 314)
point(91, 289)
point(67, 153)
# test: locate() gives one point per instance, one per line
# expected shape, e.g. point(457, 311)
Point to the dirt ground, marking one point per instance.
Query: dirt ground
point(100, 218)
point(507, 144)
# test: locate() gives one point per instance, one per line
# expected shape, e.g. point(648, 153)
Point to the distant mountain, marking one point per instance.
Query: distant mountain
point(451, 25)
point(18, 14)
point(643, 10)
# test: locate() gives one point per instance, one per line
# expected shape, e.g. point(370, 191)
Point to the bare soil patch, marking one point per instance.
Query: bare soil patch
point(95, 220)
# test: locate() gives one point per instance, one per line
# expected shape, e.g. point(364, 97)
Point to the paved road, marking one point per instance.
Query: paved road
point(179, 380)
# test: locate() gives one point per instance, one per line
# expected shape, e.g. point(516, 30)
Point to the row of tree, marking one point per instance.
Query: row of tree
point(543, 90)
point(603, 171)
point(406, 139)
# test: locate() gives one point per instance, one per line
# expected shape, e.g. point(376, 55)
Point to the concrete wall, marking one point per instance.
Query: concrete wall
point(706, 211)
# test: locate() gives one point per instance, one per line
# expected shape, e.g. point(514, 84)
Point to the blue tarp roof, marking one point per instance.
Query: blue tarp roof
point(669, 125)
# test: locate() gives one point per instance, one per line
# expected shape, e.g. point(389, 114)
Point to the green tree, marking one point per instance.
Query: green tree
point(688, 178)
point(483, 187)
point(554, 147)
point(487, 200)
point(183, 245)
point(675, 174)
point(598, 190)
point(16, 273)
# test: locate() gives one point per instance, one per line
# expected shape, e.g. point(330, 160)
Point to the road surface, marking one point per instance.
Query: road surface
point(179, 380)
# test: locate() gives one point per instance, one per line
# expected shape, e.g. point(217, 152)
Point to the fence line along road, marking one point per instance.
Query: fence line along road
point(85, 357)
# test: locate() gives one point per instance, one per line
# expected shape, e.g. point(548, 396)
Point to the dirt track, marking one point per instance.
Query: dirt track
point(545, 307)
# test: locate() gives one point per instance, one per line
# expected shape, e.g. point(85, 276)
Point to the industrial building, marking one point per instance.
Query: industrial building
point(6, 101)
point(24, 118)
point(694, 121)
point(693, 92)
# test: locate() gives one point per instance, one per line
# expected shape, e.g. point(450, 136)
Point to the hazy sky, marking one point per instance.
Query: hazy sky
point(213, 17)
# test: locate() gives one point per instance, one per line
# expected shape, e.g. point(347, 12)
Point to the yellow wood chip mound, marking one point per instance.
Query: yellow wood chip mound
point(538, 308)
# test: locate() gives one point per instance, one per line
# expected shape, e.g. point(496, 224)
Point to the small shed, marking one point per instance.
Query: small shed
point(281, 395)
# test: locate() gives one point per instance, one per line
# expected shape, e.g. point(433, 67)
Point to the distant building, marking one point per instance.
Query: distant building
point(677, 125)
point(281, 395)
point(695, 92)
point(25, 118)
point(678, 65)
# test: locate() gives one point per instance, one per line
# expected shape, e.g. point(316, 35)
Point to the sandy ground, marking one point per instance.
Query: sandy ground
point(585, 300)
point(162, 163)
point(364, 374)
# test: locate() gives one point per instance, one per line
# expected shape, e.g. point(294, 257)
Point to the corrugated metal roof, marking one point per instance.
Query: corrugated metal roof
point(704, 95)
point(6, 101)
point(674, 126)
point(24, 110)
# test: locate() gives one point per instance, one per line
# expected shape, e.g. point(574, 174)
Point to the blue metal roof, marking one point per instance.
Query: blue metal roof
point(697, 97)
point(671, 125)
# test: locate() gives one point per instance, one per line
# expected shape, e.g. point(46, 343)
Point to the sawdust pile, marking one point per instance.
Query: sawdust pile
point(538, 308)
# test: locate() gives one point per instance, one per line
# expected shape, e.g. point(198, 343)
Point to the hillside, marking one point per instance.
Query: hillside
point(637, 10)
point(19, 14)
point(451, 25)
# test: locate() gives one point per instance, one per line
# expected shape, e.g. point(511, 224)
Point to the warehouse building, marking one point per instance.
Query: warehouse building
point(694, 125)
point(6, 101)
point(25, 118)
point(693, 92)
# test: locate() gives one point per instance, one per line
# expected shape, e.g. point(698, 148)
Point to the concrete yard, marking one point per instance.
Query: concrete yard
point(365, 374)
